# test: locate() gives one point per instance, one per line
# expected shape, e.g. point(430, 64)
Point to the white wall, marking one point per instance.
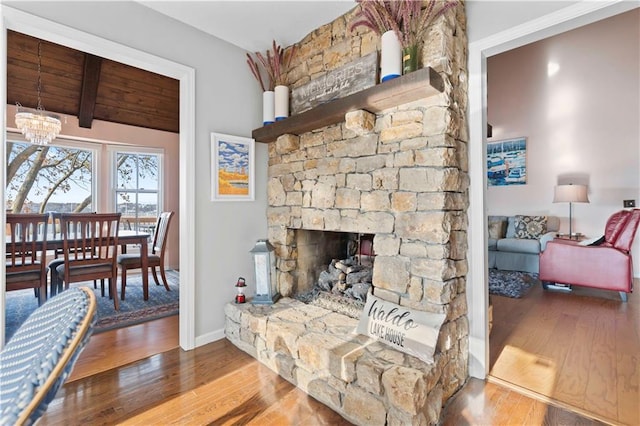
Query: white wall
point(228, 100)
point(488, 17)
point(581, 123)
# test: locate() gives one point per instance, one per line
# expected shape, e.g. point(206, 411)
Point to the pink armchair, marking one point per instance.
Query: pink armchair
point(607, 266)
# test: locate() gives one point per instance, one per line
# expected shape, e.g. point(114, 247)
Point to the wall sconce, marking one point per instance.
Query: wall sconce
point(264, 260)
point(570, 194)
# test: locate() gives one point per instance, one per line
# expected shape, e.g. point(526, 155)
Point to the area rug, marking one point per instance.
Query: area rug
point(511, 283)
point(133, 310)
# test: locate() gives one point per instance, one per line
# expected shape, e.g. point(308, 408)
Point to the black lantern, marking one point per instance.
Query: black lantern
point(264, 261)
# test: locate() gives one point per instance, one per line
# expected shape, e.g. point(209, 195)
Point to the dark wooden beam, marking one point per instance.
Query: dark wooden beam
point(89, 93)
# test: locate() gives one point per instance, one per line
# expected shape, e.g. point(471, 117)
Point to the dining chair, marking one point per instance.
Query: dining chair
point(26, 253)
point(56, 234)
point(90, 242)
point(155, 257)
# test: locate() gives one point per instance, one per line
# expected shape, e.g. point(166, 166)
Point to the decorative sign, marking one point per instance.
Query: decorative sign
point(346, 80)
point(407, 330)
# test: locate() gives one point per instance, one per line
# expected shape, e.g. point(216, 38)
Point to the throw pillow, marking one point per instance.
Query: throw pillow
point(497, 229)
point(530, 227)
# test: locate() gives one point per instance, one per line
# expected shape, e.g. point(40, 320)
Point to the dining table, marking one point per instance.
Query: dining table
point(125, 237)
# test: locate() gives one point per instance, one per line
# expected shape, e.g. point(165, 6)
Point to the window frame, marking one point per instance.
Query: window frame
point(93, 147)
point(113, 151)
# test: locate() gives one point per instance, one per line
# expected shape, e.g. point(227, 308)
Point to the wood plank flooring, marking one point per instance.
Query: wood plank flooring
point(481, 403)
point(138, 375)
point(579, 350)
point(213, 384)
point(122, 346)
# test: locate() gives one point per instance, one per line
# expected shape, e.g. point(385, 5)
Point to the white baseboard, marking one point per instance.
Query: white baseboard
point(210, 337)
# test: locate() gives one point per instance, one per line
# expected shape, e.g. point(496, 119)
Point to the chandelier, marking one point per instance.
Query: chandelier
point(37, 125)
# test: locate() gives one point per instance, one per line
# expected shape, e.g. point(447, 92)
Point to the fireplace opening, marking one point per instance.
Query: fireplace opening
point(334, 269)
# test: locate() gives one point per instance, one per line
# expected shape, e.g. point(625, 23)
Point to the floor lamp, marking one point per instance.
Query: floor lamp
point(570, 194)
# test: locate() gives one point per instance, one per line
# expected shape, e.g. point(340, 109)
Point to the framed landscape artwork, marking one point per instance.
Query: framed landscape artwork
point(232, 168)
point(507, 162)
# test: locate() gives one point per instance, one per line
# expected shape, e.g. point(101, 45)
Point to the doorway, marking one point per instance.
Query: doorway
point(570, 18)
point(45, 29)
point(477, 289)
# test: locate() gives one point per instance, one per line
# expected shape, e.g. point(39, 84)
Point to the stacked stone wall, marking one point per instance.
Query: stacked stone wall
point(401, 175)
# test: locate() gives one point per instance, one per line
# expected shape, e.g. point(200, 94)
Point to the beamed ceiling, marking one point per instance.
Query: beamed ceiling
point(88, 87)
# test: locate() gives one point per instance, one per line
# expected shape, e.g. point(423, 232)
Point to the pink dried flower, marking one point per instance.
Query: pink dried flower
point(276, 65)
point(407, 18)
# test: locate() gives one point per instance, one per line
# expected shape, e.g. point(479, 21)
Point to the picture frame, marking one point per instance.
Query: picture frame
point(232, 168)
point(507, 162)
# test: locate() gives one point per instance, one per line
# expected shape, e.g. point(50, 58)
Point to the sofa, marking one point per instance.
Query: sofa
point(603, 264)
point(515, 242)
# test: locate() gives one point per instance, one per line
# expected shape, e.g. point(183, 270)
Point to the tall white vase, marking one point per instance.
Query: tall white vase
point(390, 56)
point(268, 107)
point(282, 102)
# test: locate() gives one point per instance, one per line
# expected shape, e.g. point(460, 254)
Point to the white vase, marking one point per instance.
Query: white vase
point(390, 56)
point(268, 107)
point(282, 102)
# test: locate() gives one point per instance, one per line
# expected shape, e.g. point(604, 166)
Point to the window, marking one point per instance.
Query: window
point(137, 193)
point(49, 178)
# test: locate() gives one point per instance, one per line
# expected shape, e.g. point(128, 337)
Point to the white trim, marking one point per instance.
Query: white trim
point(210, 337)
point(568, 18)
point(187, 208)
point(112, 151)
point(42, 28)
point(137, 149)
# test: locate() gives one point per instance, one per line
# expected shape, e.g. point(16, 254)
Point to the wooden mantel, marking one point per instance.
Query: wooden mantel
point(419, 84)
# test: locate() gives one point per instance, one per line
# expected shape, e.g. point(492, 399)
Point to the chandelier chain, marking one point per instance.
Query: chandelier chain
point(38, 126)
point(39, 74)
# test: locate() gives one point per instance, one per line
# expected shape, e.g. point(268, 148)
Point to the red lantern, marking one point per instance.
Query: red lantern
point(240, 285)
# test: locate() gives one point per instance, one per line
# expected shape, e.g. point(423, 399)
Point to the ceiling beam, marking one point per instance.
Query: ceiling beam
point(89, 93)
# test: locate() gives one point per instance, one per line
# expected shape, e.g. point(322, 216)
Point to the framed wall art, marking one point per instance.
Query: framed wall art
point(507, 162)
point(232, 168)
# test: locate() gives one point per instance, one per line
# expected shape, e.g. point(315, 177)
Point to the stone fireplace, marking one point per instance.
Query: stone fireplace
point(400, 178)
point(316, 250)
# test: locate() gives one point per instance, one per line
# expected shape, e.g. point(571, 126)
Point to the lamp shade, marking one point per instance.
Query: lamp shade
point(570, 194)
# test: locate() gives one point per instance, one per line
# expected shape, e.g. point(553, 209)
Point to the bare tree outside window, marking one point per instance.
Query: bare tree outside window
point(48, 178)
point(60, 178)
point(137, 189)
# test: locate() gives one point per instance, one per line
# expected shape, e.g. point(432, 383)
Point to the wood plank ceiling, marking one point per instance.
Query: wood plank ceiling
point(91, 88)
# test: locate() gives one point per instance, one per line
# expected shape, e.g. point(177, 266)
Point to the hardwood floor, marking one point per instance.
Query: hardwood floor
point(579, 350)
point(122, 346)
point(213, 384)
point(481, 403)
point(118, 380)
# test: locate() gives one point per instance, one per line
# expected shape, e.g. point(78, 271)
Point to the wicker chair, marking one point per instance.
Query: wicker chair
point(41, 354)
